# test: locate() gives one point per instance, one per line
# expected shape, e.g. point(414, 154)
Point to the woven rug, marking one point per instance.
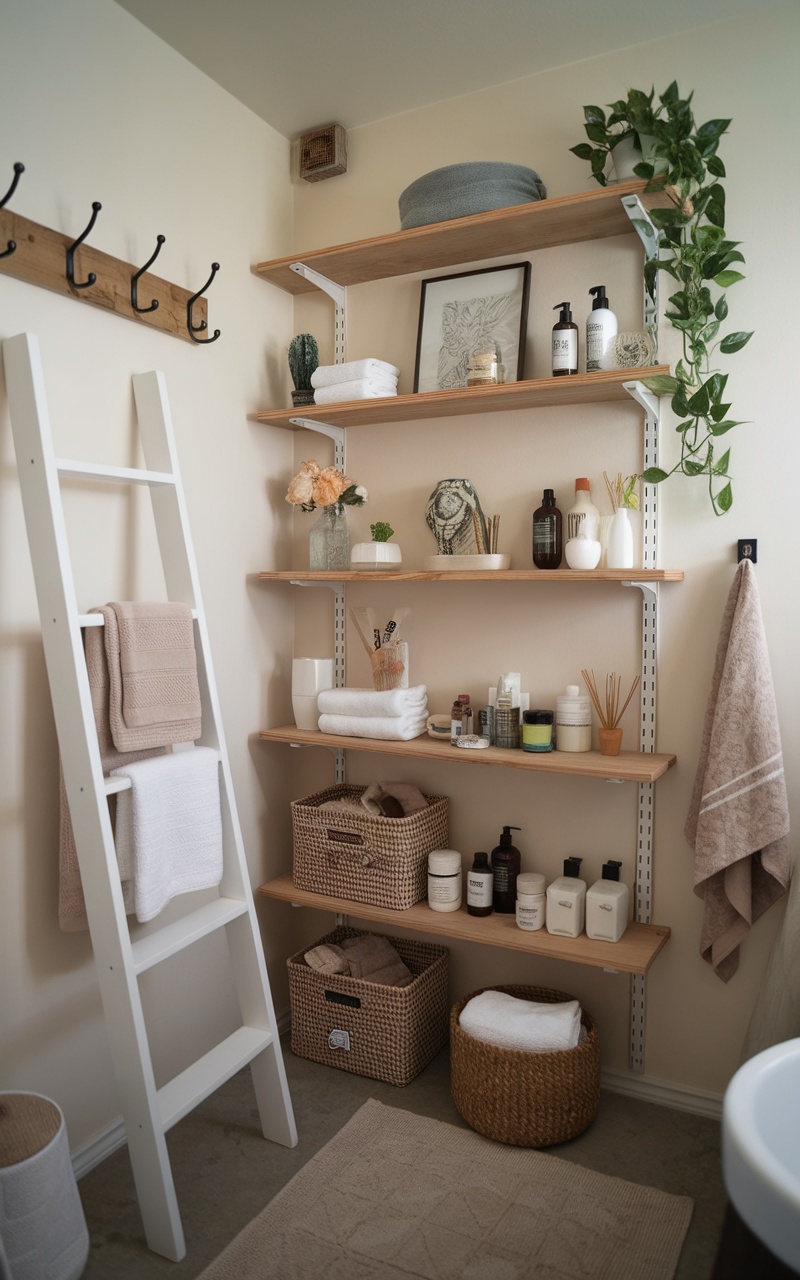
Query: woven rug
point(395, 1195)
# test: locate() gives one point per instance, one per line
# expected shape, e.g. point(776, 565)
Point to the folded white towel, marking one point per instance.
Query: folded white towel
point(327, 374)
point(502, 1019)
point(360, 389)
point(389, 728)
point(371, 702)
point(168, 832)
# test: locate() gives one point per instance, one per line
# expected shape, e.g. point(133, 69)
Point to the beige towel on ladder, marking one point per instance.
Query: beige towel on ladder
point(152, 666)
point(738, 821)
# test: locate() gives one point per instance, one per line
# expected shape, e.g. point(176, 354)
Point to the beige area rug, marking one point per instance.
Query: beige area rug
point(395, 1195)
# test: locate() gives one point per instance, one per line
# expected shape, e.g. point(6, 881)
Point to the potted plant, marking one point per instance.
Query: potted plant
point(380, 553)
point(303, 360)
point(694, 250)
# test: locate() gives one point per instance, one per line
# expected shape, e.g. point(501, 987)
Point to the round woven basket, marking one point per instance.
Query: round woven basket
point(525, 1099)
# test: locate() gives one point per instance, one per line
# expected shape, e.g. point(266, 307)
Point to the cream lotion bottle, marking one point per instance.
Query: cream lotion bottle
point(601, 327)
point(607, 905)
point(566, 901)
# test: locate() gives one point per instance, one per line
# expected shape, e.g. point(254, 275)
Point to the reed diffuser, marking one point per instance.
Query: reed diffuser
point(609, 712)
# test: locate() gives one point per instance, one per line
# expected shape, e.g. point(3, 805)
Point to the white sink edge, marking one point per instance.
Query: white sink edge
point(763, 1191)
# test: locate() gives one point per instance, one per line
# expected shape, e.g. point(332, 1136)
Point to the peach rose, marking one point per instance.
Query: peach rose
point(329, 486)
point(301, 486)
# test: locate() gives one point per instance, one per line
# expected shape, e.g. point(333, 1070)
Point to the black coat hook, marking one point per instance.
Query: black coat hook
point(18, 169)
point(135, 279)
point(198, 328)
point(90, 279)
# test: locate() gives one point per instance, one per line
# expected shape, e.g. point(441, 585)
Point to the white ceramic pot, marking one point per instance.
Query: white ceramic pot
point(619, 552)
point(583, 553)
point(376, 555)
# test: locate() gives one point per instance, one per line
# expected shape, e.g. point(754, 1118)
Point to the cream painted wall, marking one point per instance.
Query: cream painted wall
point(463, 637)
point(98, 108)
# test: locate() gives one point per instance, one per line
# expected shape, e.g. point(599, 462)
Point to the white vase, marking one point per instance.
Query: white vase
point(619, 551)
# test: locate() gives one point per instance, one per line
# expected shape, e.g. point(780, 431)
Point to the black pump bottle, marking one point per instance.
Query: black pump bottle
point(505, 867)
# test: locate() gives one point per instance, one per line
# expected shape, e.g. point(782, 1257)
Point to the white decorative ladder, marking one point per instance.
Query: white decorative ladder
point(148, 1112)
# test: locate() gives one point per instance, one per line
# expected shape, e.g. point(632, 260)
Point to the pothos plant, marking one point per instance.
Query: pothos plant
point(683, 163)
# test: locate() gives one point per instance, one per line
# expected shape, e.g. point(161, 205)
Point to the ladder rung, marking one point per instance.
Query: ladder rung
point(97, 619)
point(113, 785)
point(171, 938)
point(177, 1098)
point(98, 471)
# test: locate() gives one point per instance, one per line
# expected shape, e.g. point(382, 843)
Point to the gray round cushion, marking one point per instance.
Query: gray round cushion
point(458, 190)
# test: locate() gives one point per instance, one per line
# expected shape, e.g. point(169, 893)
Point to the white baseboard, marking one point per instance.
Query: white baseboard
point(660, 1092)
point(678, 1096)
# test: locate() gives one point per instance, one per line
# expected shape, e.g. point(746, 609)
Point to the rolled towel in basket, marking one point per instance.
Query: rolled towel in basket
point(373, 958)
point(499, 1018)
point(374, 702)
point(325, 375)
point(388, 728)
point(358, 389)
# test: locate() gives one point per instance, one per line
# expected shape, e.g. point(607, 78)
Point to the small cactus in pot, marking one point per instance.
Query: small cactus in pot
point(303, 357)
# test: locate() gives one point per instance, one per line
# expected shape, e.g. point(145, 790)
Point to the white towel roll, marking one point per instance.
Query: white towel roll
point(359, 389)
point(327, 374)
point(372, 702)
point(389, 728)
point(537, 1027)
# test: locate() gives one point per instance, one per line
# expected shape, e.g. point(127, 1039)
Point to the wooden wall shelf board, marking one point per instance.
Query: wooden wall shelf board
point(544, 224)
point(536, 393)
point(634, 953)
point(473, 575)
point(40, 259)
point(628, 766)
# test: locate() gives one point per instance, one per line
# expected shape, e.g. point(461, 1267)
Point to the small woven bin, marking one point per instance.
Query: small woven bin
point(362, 856)
point(525, 1099)
point(386, 1033)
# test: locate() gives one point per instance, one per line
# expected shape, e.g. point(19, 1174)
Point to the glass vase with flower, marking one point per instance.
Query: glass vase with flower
point(332, 491)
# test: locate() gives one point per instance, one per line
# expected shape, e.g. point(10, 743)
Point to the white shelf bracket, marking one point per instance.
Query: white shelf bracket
point(339, 295)
point(647, 400)
point(334, 433)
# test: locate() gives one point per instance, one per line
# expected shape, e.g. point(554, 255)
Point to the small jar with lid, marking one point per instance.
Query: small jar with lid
point(573, 721)
point(537, 730)
point(531, 901)
point(485, 368)
point(444, 880)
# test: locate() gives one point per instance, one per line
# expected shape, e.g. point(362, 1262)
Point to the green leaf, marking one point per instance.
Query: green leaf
point(594, 115)
point(720, 467)
point(661, 384)
point(735, 342)
point(724, 499)
point(716, 386)
point(683, 427)
point(699, 402)
point(583, 151)
point(654, 475)
point(718, 411)
point(679, 403)
point(715, 212)
point(721, 309)
point(692, 468)
point(715, 166)
point(596, 133)
point(721, 428)
point(713, 129)
point(726, 278)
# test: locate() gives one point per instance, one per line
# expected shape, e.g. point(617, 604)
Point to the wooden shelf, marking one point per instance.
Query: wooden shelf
point(543, 224)
point(628, 766)
point(472, 575)
point(634, 953)
point(536, 393)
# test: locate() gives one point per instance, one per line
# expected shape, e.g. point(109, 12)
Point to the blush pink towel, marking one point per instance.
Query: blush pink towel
point(738, 821)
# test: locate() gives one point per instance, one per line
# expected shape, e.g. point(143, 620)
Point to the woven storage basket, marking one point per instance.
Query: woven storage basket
point(387, 1033)
point(525, 1099)
point(362, 856)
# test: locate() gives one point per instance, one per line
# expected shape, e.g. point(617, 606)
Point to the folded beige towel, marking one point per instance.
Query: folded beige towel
point(152, 666)
point(379, 796)
point(369, 956)
point(738, 821)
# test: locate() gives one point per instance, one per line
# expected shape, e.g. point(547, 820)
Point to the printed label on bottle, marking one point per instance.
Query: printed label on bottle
point(502, 879)
point(444, 888)
point(565, 349)
point(479, 890)
point(544, 535)
point(595, 344)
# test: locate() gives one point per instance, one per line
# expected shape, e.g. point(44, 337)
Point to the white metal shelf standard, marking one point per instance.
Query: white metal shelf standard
point(148, 1112)
point(648, 235)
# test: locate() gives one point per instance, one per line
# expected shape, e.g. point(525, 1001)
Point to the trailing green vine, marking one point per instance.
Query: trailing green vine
point(682, 160)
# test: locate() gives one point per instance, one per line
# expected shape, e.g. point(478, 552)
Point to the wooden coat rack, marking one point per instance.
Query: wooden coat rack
point(41, 256)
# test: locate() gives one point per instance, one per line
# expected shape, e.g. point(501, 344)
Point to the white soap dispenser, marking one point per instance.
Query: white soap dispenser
point(566, 901)
point(607, 905)
point(601, 327)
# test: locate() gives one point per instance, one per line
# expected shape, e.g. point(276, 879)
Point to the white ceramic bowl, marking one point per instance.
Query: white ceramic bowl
point(583, 553)
point(453, 563)
point(376, 555)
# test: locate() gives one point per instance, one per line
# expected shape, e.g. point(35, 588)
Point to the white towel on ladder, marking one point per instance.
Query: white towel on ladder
point(168, 832)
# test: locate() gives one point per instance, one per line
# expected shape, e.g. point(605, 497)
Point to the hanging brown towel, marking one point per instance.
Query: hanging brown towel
point(738, 821)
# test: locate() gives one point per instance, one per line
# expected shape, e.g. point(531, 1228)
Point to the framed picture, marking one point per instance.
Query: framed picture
point(463, 313)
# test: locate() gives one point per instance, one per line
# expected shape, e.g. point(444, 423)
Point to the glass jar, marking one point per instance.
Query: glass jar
point(485, 368)
point(537, 731)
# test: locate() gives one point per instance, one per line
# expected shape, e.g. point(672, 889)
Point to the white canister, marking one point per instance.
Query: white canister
point(444, 880)
point(530, 901)
point(573, 721)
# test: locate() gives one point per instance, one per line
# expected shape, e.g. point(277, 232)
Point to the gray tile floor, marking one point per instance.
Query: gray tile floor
point(225, 1172)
